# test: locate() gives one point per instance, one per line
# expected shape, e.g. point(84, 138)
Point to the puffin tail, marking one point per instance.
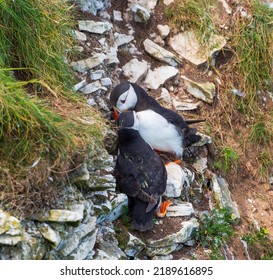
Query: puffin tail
point(188, 122)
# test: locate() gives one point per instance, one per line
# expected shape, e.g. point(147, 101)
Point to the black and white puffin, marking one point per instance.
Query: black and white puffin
point(163, 129)
point(140, 173)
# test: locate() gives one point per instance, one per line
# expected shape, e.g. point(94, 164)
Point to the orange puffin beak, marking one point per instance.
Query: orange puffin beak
point(177, 161)
point(163, 208)
point(116, 113)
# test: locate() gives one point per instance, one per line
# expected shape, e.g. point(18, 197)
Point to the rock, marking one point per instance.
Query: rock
point(89, 63)
point(97, 75)
point(223, 197)
point(81, 174)
point(181, 209)
point(74, 237)
point(122, 39)
point(177, 179)
point(200, 165)
point(135, 70)
point(134, 246)
point(166, 97)
point(165, 258)
point(11, 232)
point(112, 57)
point(160, 53)
point(118, 205)
point(97, 27)
point(80, 85)
point(187, 105)
point(168, 2)
point(141, 13)
point(93, 6)
point(117, 15)
point(157, 77)
point(203, 91)
point(106, 82)
point(164, 30)
point(150, 4)
point(169, 243)
point(49, 234)
point(109, 251)
point(85, 247)
point(59, 215)
point(205, 139)
point(79, 35)
point(226, 6)
point(93, 87)
point(187, 45)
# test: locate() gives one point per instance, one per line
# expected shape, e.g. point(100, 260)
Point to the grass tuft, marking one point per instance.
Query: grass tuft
point(192, 14)
point(253, 42)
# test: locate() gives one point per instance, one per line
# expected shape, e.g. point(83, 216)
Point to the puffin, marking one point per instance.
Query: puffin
point(140, 174)
point(163, 129)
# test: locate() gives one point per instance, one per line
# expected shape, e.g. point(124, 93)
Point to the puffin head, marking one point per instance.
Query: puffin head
point(128, 120)
point(123, 97)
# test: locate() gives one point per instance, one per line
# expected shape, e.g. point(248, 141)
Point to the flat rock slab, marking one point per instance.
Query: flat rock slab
point(135, 70)
point(169, 243)
point(89, 63)
point(157, 77)
point(182, 209)
point(97, 27)
point(187, 45)
point(160, 53)
point(203, 91)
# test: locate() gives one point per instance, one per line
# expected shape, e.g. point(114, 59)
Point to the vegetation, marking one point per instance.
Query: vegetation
point(228, 159)
point(215, 229)
point(260, 246)
point(44, 128)
point(192, 14)
point(253, 37)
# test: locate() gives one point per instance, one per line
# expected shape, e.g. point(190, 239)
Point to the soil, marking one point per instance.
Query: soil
point(227, 126)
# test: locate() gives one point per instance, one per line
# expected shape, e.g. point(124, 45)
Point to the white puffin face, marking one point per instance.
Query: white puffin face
point(127, 100)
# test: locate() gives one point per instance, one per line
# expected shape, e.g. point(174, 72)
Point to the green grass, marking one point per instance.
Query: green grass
point(35, 35)
point(45, 128)
point(266, 162)
point(192, 14)
point(260, 245)
point(260, 133)
point(228, 159)
point(215, 229)
point(253, 40)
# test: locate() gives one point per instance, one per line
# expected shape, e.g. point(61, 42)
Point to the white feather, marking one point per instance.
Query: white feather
point(159, 133)
point(127, 100)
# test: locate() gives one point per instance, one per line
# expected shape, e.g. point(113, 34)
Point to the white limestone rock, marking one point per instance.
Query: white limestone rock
point(186, 105)
point(134, 246)
point(175, 179)
point(122, 39)
point(80, 36)
point(160, 53)
point(223, 196)
point(169, 243)
point(88, 63)
point(164, 30)
point(97, 27)
point(168, 2)
point(59, 215)
point(157, 77)
point(49, 234)
point(181, 209)
point(93, 87)
point(135, 70)
point(117, 15)
point(80, 85)
point(203, 91)
point(200, 165)
point(141, 13)
point(96, 75)
point(187, 46)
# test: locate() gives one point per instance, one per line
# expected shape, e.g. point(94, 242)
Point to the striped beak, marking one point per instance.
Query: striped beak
point(116, 113)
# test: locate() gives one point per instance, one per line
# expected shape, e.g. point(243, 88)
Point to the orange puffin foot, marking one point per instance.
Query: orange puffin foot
point(177, 161)
point(163, 208)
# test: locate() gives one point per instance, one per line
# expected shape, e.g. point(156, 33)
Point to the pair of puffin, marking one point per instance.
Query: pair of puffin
point(146, 126)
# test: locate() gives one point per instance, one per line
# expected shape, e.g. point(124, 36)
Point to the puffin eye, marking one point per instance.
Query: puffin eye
point(123, 101)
